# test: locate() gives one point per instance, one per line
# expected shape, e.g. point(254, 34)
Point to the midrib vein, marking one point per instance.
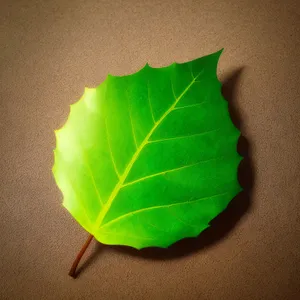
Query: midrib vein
point(123, 177)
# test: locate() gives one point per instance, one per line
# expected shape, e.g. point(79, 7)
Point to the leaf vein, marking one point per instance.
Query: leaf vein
point(123, 177)
point(180, 220)
point(151, 109)
point(191, 105)
point(167, 171)
point(87, 165)
point(158, 207)
point(110, 151)
point(80, 202)
point(132, 128)
point(127, 235)
point(184, 136)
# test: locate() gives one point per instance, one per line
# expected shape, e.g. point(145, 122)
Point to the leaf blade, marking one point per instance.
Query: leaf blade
point(168, 129)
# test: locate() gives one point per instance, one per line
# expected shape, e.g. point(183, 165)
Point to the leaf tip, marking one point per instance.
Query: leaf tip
point(146, 66)
point(218, 53)
point(221, 50)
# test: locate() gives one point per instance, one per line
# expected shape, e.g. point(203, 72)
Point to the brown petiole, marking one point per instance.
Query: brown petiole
point(72, 271)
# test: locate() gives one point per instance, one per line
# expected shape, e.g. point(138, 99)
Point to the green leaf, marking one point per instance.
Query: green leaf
point(149, 158)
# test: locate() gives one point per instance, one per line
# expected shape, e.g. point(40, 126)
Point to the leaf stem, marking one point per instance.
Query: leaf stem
point(72, 271)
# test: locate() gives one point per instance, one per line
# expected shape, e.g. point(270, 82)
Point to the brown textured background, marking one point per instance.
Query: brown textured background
point(51, 50)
